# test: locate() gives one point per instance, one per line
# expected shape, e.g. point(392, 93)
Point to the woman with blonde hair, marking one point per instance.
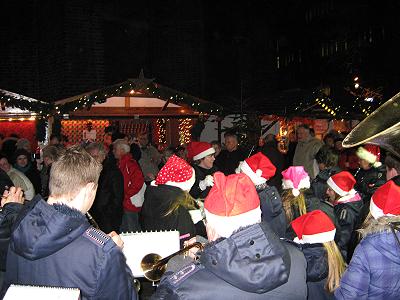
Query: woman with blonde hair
point(315, 233)
point(167, 201)
point(374, 271)
point(297, 198)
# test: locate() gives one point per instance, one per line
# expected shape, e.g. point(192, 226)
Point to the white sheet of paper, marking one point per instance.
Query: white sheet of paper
point(18, 292)
point(139, 244)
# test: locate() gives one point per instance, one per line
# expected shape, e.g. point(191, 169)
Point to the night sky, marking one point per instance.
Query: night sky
point(244, 52)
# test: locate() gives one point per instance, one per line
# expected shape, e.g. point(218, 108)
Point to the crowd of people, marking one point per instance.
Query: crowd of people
point(319, 222)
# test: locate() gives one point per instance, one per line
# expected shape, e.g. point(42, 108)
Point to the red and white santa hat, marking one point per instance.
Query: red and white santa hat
point(176, 172)
point(295, 178)
point(370, 153)
point(386, 200)
point(258, 167)
point(199, 150)
point(342, 183)
point(313, 227)
point(232, 203)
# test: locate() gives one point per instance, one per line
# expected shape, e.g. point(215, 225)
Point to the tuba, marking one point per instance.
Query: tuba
point(381, 128)
point(154, 266)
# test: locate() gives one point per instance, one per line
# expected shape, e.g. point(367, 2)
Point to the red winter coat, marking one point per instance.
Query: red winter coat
point(133, 180)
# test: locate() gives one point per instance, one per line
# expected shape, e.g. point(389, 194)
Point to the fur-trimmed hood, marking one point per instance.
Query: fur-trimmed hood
point(380, 225)
point(378, 236)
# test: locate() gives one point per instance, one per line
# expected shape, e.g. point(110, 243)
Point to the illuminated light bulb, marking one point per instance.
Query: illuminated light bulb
point(356, 78)
point(132, 92)
point(356, 85)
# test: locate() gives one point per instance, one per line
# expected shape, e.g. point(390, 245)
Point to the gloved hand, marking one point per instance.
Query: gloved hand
point(208, 181)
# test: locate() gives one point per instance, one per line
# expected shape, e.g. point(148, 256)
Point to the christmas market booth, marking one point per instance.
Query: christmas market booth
point(23, 116)
point(135, 106)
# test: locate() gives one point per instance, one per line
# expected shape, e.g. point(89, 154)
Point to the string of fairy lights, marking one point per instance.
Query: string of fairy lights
point(162, 131)
point(185, 125)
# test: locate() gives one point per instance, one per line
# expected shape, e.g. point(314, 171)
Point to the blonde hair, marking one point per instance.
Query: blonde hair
point(336, 266)
point(184, 199)
point(74, 169)
point(290, 202)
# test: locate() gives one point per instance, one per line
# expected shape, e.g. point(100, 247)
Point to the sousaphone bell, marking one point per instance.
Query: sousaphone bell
point(381, 128)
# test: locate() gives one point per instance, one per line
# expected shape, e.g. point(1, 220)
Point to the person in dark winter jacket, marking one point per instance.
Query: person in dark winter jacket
point(297, 199)
point(270, 150)
point(167, 202)
point(24, 164)
point(202, 154)
point(315, 233)
point(327, 160)
point(228, 160)
point(11, 204)
point(259, 168)
point(347, 207)
point(244, 258)
point(370, 175)
point(374, 270)
point(54, 245)
point(107, 207)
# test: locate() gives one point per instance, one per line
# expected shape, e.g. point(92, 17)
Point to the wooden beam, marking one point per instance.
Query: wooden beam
point(135, 111)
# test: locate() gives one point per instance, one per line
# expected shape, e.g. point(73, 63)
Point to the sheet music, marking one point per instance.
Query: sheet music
point(139, 244)
point(18, 292)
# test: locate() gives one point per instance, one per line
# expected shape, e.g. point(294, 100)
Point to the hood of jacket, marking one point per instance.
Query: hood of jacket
point(378, 234)
point(252, 259)
point(317, 263)
point(45, 229)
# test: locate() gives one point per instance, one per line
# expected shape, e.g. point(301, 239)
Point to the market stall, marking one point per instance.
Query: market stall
point(134, 106)
point(23, 116)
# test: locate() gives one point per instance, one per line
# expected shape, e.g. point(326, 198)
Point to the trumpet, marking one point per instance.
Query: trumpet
point(154, 266)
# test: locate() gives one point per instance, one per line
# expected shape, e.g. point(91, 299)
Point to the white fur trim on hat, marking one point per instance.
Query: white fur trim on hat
point(254, 176)
point(338, 190)
point(226, 225)
point(363, 153)
point(303, 184)
point(376, 212)
point(204, 153)
point(322, 237)
point(185, 185)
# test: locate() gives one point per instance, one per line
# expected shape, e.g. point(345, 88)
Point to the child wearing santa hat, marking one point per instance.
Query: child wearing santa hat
point(167, 202)
point(202, 155)
point(315, 234)
point(244, 258)
point(260, 169)
point(347, 206)
point(374, 271)
point(297, 197)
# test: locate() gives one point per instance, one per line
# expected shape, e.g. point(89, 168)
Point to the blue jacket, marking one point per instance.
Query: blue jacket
point(317, 271)
point(272, 211)
point(54, 245)
point(251, 264)
point(8, 215)
point(374, 270)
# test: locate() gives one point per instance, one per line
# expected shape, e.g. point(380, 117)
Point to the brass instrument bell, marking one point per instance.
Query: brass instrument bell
point(154, 266)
